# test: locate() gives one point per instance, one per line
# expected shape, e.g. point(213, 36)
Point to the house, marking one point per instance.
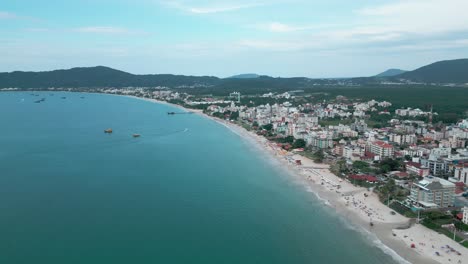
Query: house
point(433, 192)
point(368, 178)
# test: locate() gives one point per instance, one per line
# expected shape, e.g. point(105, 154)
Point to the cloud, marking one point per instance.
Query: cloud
point(277, 27)
point(106, 30)
point(212, 8)
point(7, 15)
point(419, 16)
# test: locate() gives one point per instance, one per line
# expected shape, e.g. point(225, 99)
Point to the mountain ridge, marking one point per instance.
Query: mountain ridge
point(390, 73)
point(442, 72)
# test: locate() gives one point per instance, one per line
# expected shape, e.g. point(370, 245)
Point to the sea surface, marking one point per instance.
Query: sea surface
point(188, 190)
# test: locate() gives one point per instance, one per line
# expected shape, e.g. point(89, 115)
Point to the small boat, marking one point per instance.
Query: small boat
point(108, 131)
point(171, 113)
point(136, 135)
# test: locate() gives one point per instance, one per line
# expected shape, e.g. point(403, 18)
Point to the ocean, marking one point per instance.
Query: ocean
point(188, 190)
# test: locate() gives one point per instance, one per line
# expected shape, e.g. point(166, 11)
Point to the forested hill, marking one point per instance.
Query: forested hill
point(443, 72)
point(450, 71)
point(98, 77)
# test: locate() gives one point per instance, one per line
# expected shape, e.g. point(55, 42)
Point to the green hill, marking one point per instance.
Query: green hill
point(99, 76)
point(449, 71)
point(390, 73)
point(245, 76)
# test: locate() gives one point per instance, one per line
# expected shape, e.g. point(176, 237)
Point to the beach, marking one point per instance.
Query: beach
point(358, 206)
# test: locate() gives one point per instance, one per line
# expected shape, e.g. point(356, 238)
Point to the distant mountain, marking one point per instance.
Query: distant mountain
point(99, 76)
point(390, 73)
point(449, 71)
point(245, 76)
point(454, 71)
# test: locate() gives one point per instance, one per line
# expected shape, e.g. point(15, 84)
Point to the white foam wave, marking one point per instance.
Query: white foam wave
point(374, 240)
point(321, 199)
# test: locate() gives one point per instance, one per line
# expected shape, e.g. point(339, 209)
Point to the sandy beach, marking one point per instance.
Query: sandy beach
point(389, 230)
point(358, 206)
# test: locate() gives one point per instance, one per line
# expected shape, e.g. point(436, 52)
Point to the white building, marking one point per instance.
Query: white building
point(465, 215)
point(433, 192)
point(461, 174)
point(380, 148)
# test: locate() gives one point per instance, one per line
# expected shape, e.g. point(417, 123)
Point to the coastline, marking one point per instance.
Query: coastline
point(391, 233)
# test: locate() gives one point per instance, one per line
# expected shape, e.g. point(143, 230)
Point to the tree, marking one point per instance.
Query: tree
point(360, 165)
point(339, 167)
point(318, 156)
point(268, 127)
point(299, 143)
point(389, 164)
point(234, 115)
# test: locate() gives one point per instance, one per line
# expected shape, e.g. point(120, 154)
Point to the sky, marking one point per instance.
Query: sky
point(311, 38)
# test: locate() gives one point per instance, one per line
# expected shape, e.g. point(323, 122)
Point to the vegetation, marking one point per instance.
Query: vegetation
point(299, 143)
point(450, 71)
point(402, 209)
point(435, 219)
point(388, 165)
point(318, 156)
point(390, 191)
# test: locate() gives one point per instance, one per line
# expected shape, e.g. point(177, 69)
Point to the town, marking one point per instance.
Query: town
point(418, 168)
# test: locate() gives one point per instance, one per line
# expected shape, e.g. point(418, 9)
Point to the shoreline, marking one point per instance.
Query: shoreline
point(311, 176)
point(393, 234)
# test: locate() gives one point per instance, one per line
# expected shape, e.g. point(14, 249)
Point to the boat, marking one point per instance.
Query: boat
point(108, 131)
point(136, 135)
point(171, 113)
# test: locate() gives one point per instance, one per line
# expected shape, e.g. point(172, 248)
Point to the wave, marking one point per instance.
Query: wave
point(373, 240)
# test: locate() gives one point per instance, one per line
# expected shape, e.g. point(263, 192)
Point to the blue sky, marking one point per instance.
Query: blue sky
point(203, 37)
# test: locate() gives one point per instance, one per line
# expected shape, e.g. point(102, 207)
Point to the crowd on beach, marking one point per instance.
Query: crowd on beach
point(437, 246)
point(365, 204)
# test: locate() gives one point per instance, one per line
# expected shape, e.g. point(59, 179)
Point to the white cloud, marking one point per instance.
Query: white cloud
point(211, 8)
point(277, 27)
point(105, 30)
point(7, 15)
point(419, 16)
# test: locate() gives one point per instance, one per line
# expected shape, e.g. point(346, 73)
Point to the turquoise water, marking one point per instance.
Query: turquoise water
point(71, 194)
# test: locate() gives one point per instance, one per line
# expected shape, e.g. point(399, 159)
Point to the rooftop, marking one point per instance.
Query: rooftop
point(434, 183)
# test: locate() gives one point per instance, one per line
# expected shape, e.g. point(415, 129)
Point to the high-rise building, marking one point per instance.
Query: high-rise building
point(433, 192)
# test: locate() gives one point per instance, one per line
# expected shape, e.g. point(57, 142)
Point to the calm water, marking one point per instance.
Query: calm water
point(71, 194)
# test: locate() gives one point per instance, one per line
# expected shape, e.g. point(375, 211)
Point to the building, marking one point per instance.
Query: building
point(433, 192)
point(436, 167)
point(403, 139)
point(461, 174)
point(321, 142)
point(380, 148)
point(417, 168)
point(465, 215)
